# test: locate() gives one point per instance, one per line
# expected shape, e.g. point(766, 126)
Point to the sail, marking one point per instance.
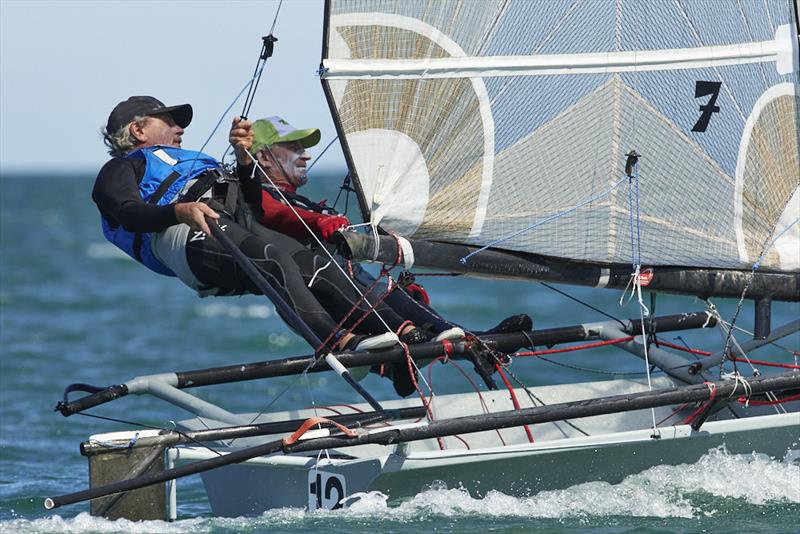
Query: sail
point(509, 123)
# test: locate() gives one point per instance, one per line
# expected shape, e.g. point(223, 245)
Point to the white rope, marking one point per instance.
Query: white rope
point(313, 278)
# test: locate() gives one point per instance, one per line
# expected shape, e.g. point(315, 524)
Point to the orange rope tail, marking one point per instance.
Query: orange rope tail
point(291, 440)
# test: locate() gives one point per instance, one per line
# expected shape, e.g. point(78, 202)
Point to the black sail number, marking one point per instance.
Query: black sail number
point(326, 490)
point(701, 89)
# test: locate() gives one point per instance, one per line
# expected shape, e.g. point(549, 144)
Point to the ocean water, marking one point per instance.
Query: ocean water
point(73, 309)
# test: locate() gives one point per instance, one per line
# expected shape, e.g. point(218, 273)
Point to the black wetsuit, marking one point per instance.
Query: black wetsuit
point(286, 263)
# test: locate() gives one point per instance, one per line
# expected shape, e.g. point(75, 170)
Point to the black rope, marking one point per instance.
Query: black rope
point(534, 398)
point(598, 371)
point(579, 301)
point(267, 47)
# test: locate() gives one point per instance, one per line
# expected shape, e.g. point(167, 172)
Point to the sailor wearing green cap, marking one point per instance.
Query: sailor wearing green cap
point(280, 151)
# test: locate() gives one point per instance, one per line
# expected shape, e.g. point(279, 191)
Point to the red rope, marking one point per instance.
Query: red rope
point(684, 349)
point(444, 359)
point(767, 364)
point(338, 327)
point(513, 397)
point(576, 347)
point(713, 389)
point(744, 400)
point(413, 376)
point(745, 360)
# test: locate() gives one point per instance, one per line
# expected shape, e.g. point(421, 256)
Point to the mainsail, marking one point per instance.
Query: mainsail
point(509, 123)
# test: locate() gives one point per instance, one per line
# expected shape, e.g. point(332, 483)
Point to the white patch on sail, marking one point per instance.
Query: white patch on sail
point(337, 47)
point(786, 39)
point(773, 92)
point(394, 177)
point(788, 244)
point(452, 48)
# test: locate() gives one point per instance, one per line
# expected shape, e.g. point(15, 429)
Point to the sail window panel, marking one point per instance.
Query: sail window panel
point(672, 94)
point(563, 27)
point(731, 22)
point(522, 104)
point(685, 200)
point(550, 170)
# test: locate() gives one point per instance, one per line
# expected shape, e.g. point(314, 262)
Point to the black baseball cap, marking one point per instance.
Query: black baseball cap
point(125, 111)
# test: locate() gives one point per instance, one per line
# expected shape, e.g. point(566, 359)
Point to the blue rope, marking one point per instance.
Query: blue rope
point(638, 217)
point(767, 248)
point(321, 153)
point(636, 244)
point(543, 221)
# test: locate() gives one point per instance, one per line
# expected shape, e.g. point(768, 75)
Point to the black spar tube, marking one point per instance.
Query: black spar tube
point(509, 342)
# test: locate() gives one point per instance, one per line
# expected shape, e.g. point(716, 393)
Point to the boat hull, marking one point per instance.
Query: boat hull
point(617, 446)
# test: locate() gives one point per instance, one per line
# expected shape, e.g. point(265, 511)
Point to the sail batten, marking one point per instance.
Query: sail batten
point(493, 122)
point(772, 51)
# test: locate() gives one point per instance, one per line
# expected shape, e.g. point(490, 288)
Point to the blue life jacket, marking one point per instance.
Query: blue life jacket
point(167, 169)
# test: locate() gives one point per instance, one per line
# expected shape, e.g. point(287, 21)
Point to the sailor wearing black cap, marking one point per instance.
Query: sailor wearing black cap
point(153, 198)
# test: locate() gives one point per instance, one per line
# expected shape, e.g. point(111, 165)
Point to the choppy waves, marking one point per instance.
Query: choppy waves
point(719, 487)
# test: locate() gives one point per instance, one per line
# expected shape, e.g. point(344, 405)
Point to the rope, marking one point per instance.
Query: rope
point(766, 363)
point(767, 246)
point(576, 347)
point(319, 421)
point(596, 371)
point(320, 156)
point(747, 401)
point(412, 374)
point(484, 406)
point(514, 400)
point(544, 221)
point(712, 389)
point(632, 170)
point(579, 301)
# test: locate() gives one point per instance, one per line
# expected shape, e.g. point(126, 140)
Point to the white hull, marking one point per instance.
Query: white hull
point(618, 445)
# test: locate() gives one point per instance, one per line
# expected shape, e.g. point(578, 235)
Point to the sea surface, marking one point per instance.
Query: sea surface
point(74, 309)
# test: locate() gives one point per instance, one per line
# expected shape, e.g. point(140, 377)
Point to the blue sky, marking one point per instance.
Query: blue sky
point(65, 64)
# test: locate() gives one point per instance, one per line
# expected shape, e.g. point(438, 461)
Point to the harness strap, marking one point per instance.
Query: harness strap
point(201, 185)
point(154, 198)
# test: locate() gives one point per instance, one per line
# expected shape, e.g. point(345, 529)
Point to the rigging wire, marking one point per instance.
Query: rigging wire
point(764, 250)
point(553, 217)
point(257, 167)
point(579, 301)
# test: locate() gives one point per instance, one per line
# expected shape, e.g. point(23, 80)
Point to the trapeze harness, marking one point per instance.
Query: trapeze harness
point(167, 172)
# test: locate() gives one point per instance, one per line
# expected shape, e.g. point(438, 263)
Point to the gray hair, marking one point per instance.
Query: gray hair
point(122, 141)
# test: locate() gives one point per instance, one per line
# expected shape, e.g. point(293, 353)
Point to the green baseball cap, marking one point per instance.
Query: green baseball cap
point(267, 132)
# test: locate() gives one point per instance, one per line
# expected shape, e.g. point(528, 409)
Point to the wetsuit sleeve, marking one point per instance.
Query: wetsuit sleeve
point(116, 193)
point(251, 188)
point(280, 217)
